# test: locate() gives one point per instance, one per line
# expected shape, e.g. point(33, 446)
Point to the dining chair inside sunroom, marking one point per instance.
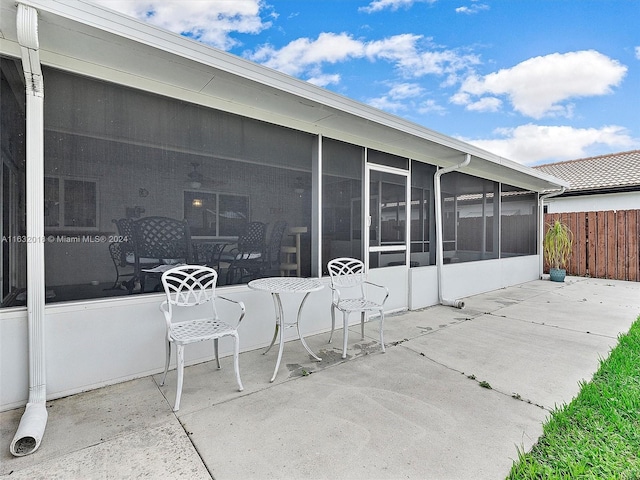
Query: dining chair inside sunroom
point(352, 292)
point(122, 254)
point(191, 316)
point(123, 268)
point(247, 267)
point(251, 245)
point(160, 241)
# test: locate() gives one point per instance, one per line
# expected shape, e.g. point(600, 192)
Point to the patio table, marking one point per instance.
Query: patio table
point(277, 286)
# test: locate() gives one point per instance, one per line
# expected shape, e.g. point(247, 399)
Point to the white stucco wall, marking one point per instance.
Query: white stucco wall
point(594, 203)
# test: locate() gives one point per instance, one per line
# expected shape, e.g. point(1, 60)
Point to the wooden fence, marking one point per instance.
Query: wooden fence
point(605, 245)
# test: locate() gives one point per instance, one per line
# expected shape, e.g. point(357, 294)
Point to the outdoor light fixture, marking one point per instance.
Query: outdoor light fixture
point(197, 202)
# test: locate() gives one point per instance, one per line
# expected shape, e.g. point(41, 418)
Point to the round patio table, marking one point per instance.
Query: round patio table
point(277, 286)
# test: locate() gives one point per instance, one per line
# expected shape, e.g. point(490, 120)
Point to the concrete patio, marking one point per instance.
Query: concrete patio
point(419, 411)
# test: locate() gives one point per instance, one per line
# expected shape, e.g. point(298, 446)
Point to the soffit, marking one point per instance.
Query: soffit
point(89, 39)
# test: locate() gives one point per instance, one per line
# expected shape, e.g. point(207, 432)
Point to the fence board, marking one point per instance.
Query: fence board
point(633, 243)
point(622, 264)
point(611, 262)
point(570, 220)
point(601, 245)
point(592, 241)
point(580, 241)
point(606, 243)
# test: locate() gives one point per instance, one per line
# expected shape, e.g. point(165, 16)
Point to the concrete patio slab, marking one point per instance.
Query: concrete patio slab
point(599, 307)
point(383, 416)
point(87, 419)
point(537, 363)
point(161, 452)
point(417, 411)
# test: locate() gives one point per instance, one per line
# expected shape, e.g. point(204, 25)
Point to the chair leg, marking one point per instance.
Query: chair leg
point(215, 350)
point(180, 367)
point(381, 327)
point(345, 333)
point(333, 321)
point(166, 361)
point(362, 316)
point(131, 284)
point(117, 280)
point(236, 361)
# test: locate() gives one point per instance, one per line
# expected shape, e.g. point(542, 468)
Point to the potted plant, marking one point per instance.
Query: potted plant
point(557, 247)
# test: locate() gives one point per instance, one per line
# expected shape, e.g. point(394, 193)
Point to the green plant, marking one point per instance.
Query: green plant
point(558, 244)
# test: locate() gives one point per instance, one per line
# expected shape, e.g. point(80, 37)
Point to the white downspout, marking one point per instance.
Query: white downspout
point(541, 200)
point(34, 419)
point(439, 248)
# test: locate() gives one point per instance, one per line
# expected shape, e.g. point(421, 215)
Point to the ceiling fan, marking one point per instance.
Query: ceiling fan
point(196, 179)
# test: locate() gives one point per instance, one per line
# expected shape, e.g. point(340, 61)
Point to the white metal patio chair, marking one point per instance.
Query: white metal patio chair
point(349, 293)
point(191, 286)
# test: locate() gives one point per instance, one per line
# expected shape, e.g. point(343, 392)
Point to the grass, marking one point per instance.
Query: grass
point(597, 435)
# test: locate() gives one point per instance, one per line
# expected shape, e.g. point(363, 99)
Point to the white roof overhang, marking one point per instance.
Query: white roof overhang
point(82, 37)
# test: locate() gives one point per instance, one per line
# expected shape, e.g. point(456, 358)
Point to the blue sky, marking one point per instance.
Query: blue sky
point(536, 81)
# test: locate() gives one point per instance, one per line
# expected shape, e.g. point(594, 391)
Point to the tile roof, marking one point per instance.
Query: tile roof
point(616, 171)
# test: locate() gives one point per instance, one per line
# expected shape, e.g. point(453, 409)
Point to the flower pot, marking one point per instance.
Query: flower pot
point(557, 274)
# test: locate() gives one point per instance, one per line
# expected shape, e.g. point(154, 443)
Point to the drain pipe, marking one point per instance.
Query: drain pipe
point(439, 249)
point(541, 226)
point(34, 419)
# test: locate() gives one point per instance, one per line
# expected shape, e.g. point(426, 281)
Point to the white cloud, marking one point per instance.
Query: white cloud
point(638, 53)
point(378, 5)
point(322, 80)
point(473, 8)
point(430, 106)
point(405, 90)
point(538, 86)
point(387, 104)
point(485, 104)
point(403, 51)
point(460, 98)
point(209, 21)
point(530, 144)
point(399, 97)
point(407, 97)
point(436, 62)
point(303, 53)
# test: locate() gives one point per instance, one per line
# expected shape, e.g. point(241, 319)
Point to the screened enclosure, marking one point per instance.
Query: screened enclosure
point(117, 153)
point(126, 168)
point(485, 220)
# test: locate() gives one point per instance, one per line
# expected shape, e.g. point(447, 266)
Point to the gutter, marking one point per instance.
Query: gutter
point(439, 241)
point(34, 419)
point(541, 200)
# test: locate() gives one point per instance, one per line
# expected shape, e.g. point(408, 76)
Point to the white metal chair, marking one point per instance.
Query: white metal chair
point(190, 286)
point(349, 293)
